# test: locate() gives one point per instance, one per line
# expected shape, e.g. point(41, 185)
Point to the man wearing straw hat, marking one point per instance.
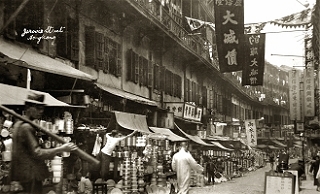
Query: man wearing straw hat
point(28, 166)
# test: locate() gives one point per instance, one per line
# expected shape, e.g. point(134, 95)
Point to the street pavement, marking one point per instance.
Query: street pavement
point(250, 183)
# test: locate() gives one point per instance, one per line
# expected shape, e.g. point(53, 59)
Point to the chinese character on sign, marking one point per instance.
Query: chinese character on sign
point(229, 23)
point(254, 51)
point(251, 132)
point(228, 18)
point(232, 57)
point(230, 38)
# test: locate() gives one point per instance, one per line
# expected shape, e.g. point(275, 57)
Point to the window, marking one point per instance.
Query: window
point(140, 69)
point(177, 86)
point(31, 17)
point(156, 83)
point(150, 74)
point(112, 57)
point(99, 48)
point(102, 53)
point(68, 40)
point(204, 96)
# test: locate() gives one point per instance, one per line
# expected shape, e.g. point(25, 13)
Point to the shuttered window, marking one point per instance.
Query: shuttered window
point(99, 49)
point(156, 83)
point(145, 69)
point(112, 57)
point(130, 65)
point(150, 74)
point(186, 90)
point(90, 46)
point(162, 78)
point(204, 96)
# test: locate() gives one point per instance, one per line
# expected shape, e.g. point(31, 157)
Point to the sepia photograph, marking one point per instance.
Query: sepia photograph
point(159, 96)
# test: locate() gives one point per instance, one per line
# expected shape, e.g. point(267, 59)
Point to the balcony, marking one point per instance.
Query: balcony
point(171, 22)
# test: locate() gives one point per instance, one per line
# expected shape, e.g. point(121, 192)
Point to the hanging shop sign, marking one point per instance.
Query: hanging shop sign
point(253, 68)
point(185, 110)
point(229, 23)
point(251, 132)
point(309, 110)
point(309, 55)
point(294, 94)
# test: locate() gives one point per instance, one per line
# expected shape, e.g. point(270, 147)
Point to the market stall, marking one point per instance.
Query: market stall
point(53, 129)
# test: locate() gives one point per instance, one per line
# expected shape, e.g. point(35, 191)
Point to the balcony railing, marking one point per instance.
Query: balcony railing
point(172, 23)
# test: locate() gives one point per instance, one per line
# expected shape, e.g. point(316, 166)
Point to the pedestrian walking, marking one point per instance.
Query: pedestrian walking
point(183, 163)
point(314, 168)
point(28, 158)
point(271, 161)
point(211, 169)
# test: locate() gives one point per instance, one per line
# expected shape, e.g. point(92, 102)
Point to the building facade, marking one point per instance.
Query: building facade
point(144, 51)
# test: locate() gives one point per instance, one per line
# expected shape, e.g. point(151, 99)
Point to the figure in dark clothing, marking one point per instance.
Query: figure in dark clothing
point(314, 169)
point(211, 169)
point(28, 158)
point(271, 160)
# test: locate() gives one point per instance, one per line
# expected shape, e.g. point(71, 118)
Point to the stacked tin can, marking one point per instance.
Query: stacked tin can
point(154, 163)
point(56, 166)
point(126, 172)
point(140, 174)
point(161, 181)
point(134, 175)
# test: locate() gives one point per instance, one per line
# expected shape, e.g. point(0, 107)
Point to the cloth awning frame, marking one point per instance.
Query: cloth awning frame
point(126, 95)
point(131, 121)
point(170, 135)
point(13, 95)
point(24, 56)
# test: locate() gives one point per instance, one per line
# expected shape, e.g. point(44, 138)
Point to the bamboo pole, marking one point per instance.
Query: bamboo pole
point(78, 151)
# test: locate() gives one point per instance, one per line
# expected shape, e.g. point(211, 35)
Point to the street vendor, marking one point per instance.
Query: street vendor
point(28, 158)
point(104, 155)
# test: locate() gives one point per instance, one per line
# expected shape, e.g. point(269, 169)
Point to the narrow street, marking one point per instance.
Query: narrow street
point(250, 183)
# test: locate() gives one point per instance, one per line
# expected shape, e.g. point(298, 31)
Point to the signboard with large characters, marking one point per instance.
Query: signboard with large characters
point(185, 110)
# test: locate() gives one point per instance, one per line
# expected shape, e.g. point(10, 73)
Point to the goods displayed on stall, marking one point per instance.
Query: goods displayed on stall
point(62, 127)
point(144, 164)
point(6, 145)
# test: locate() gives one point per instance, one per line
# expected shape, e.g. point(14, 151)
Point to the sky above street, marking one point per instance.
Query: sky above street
point(280, 41)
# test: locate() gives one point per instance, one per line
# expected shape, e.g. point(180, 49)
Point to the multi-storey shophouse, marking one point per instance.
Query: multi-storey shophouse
point(144, 59)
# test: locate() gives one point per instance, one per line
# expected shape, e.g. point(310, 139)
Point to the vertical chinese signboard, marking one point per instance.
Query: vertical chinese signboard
point(253, 69)
point(251, 131)
point(309, 110)
point(229, 18)
point(309, 55)
point(294, 94)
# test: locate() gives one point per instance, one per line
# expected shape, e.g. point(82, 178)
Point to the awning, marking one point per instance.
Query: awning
point(132, 121)
point(278, 143)
point(261, 146)
point(194, 138)
point(217, 144)
point(274, 147)
point(126, 95)
point(170, 135)
point(34, 60)
point(13, 95)
point(188, 120)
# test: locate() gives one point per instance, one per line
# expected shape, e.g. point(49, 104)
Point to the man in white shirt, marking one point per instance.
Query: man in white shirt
point(183, 163)
point(104, 156)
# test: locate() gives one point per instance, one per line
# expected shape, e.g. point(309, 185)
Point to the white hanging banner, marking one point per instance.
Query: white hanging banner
point(251, 132)
point(309, 92)
point(294, 94)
